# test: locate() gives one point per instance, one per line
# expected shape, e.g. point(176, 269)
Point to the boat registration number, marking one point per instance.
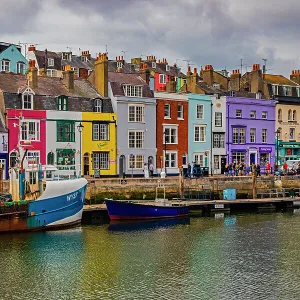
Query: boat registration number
point(72, 196)
point(219, 205)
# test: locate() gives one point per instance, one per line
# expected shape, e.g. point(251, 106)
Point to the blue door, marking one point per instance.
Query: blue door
point(252, 158)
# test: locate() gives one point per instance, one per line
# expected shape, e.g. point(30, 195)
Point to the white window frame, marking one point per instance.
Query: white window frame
point(200, 111)
point(76, 71)
point(238, 156)
point(100, 160)
point(119, 64)
point(51, 73)
point(180, 115)
point(167, 68)
point(50, 62)
point(275, 89)
point(171, 159)
point(33, 157)
point(199, 133)
point(21, 67)
point(264, 115)
point(100, 132)
point(136, 113)
point(198, 159)
point(84, 58)
point(219, 140)
point(25, 95)
point(253, 114)
point(35, 137)
point(5, 65)
point(162, 78)
point(218, 119)
point(97, 105)
point(238, 113)
point(168, 106)
point(136, 162)
point(153, 65)
point(133, 90)
point(170, 136)
point(252, 135)
point(136, 139)
point(264, 135)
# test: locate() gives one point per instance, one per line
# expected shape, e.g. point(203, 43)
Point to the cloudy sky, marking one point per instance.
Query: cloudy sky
point(216, 32)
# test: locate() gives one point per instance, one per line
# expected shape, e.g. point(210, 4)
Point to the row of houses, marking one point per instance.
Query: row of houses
point(120, 117)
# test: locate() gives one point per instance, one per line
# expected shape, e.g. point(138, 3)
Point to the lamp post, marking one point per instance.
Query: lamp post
point(277, 148)
point(163, 173)
point(80, 128)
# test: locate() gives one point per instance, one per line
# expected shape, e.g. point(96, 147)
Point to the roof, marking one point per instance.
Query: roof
point(42, 59)
point(126, 68)
point(4, 46)
point(117, 79)
point(278, 79)
point(76, 62)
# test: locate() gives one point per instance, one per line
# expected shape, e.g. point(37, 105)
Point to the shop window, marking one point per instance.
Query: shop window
point(66, 157)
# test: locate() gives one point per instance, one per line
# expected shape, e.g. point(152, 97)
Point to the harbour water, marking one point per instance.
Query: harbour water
point(232, 257)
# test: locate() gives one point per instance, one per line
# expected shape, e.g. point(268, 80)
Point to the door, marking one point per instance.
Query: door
point(122, 165)
point(86, 164)
point(3, 165)
point(223, 164)
point(252, 158)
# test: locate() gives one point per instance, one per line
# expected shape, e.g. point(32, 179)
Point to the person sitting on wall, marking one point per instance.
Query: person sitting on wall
point(268, 168)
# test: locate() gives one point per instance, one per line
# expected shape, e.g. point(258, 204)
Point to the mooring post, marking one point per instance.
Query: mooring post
point(254, 175)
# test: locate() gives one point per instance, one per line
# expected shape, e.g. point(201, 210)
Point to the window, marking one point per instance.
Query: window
point(50, 158)
point(290, 115)
point(292, 133)
point(84, 58)
point(119, 64)
point(100, 131)
point(287, 90)
point(264, 135)
point(199, 159)
point(253, 114)
point(238, 135)
point(136, 139)
point(32, 177)
point(33, 157)
point(294, 115)
point(219, 140)
point(238, 113)
point(20, 68)
point(65, 157)
point(180, 111)
point(89, 72)
point(199, 133)
point(252, 135)
point(101, 160)
point(170, 135)
point(65, 56)
point(50, 62)
point(133, 90)
point(30, 130)
point(62, 103)
point(275, 89)
point(279, 115)
point(51, 73)
point(162, 78)
point(200, 111)
point(97, 105)
point(264, 158)
point(153, 65)
point(27, 101)
point(238, 156)
point(184, 81)
point(76, 71)
point(65, 131)
point(5, 65)
point(167, 111)
point(171, 160)
point(136, 113)
point(218, 119)
point(13, 159)
point(167, 68)
point(264, 115)
point(279, 135)
point(136, 161)
point(216, 162)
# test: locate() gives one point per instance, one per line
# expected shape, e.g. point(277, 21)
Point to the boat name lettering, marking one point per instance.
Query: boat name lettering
point(72, 196)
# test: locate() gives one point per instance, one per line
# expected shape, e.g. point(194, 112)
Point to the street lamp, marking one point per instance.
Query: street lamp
point(80, 128)
point(277, 147)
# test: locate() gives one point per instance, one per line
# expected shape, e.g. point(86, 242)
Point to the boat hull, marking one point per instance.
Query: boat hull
point(121, 210)
point(60, 206)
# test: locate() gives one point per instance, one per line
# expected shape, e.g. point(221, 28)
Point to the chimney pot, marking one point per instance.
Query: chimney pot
point(189, 69)
point(195, 70)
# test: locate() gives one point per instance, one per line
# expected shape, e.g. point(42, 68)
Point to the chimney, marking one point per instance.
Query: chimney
point(295, 76)
point(256, 79)
point(42, 72)
point(86, 54)
point(194, 77)
point(32, 75)
point(208, 75)
point(101, 74)
point(235, 80)
point(144, 72)
point(31, 48)
point(136, 61)
point(171, 85)
point(68, 79)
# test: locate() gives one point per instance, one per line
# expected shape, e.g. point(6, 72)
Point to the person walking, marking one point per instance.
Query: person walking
point(151, 170)
point(258, 169)
point(268, 169)
point(285, 168)
point(189, 170)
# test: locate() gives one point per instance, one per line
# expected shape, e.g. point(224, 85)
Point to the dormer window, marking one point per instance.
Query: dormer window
point(62, 103)
point(167, 68)
point(97, 105)
point(153, 65)
point(66, 56)
point(275, 90)
point(119, 64)
point(5, 65)
point(137, 68)
point(50, 62)
point(133, 90)
point(162, 78)
point(76, 71)
point(84, 58)
point(27, 101)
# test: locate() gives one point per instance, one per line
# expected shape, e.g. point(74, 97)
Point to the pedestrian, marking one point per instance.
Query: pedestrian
point(146, 171)
point(247, 169)
point(268, 168)
point(189, 170)
point(241, 169)
point(226, 170)
point(285, 168)
point(151, 169)
point(258, 169)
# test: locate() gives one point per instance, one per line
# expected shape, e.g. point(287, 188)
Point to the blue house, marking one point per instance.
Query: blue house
point(200, 130)
point(11, 59)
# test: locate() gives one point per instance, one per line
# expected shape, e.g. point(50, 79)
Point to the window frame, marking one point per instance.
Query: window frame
point(218, 140)
point(51, 73)
point(100, 160)
point(264, 135)
point(28, 132)
point(97, 107)
point(180, 114)
point(134, 163)
point(171, 136)
point(138, 140)
point(27, 94)
point(71, 133)
point(252, 135)
point(169, 159)
point(238, 113)
point(168, 116)
point(199, 113)
point(264, 115)
point(4, 67)
point(98, 134)
point(162, 78)
point(252, 114)
point(221, 119)
point(32, 154)
point(202, 130)
point(50, 62)
point(133, 90)
point(20, 63)
point(138, 113)
point(62, 103)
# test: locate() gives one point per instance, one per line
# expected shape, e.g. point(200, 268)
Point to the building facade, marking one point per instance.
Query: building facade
point(250, 131)
point(171, 132)
point(200, 130)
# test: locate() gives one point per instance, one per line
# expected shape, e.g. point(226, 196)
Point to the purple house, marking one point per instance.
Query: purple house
point(250, 130)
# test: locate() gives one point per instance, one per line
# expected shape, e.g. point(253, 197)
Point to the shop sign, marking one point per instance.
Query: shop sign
point(265, 149)
point(290, 146)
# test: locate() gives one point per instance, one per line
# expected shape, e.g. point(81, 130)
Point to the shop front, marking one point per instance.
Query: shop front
point(289, 151)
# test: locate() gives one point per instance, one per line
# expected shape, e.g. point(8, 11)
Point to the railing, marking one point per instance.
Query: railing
point(66, 172)
point(277, 193)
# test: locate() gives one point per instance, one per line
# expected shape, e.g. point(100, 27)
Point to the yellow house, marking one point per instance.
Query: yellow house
point(99, 143)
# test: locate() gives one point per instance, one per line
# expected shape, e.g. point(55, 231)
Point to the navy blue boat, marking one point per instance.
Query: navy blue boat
point(125, 210)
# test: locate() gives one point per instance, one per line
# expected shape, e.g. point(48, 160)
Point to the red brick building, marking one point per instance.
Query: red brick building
point(171, 131)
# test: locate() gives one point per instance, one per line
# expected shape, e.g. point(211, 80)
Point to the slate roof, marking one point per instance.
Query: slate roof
point(76, 62)
point(161, 69)
point(117, 79)
point(126, 68)
point(278, 79)
point(48, 90)
point(42, 59)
